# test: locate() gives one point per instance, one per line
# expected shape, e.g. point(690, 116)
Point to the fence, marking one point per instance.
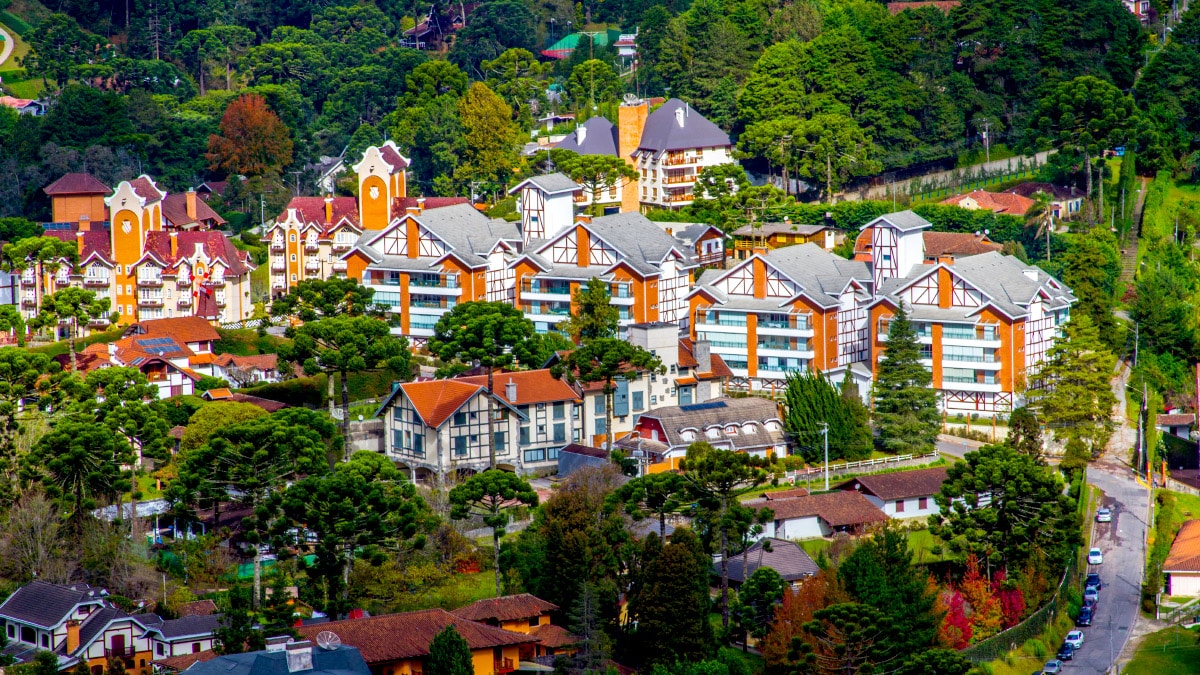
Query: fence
point(862, 466)
point(1005, 641)
point(248, 323)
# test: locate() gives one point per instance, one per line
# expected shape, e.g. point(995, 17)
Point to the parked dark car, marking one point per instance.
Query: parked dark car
point(1085, 617)
point(1093, 581)
point(1065, 652)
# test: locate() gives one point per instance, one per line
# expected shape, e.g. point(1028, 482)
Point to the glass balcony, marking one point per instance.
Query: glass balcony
point(433, 280)
point(545, 287)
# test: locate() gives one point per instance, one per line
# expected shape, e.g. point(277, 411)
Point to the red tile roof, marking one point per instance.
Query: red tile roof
point(393, 157)
point(839, 509)
point(997, 202)
point(899, 485)
point(77, 184)
point(94, 241)
point(185, 661)
point(218, 394)
point(1185, 550)
point(436, 400)
point(215, 245)
point(505, 608)
point(264, 403)
point(312, 210)
point(958, 244)
point(393, 637)
point(176, 432)
point(146, 189)
point(533, 386)
point(785, 494)
point(1176, 420)
point(174, 209)
point(185, 329)
point(688, 360)
point(259, 361)
point(401, 206)
point(199, 607)
point(555, 636)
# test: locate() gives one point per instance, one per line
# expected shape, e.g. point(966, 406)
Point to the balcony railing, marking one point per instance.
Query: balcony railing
point(581, 198)
point(676, 179)
point(342, 245)
point(431, 304)
point(279, 264)
point(97, 322)
point(185, 301)
point(311, 246)
point(149, 281)
point(123, 653)
point(623, 291)
point(28, 301)
point(28, 279)
point(548, 289)
point(339, 266)
point(677, 197)
point(217, 280)
point(277, 245)
point(680, 160)
point(184, 280)
point(433, 281)
point(542, 310)
point(62, 281)
point(504, 666)
point(96, 281)
point(150, 302)
point(221, 301)
point(312, 264)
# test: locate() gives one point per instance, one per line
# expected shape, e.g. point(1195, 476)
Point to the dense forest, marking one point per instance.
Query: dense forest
point(140, 86)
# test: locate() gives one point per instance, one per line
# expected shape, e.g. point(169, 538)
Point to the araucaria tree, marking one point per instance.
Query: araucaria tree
point(343, 345)
point(487, 333)
point(598, 174)
point(716, 478)
point(605, 360)
point(1007, 509)
point(39, 254)
point(1072, 390)
point(906, 413)
point(312, 299)
point(70, 307)
point(487, 495)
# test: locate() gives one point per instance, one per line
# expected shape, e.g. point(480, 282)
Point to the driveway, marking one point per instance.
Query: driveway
point(7, 46)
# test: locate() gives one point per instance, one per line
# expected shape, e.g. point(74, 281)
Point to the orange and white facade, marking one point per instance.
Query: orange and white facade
point(309, 238)
point(152, 254)
point(985, 322)
point(428, 260)
point(648, 271)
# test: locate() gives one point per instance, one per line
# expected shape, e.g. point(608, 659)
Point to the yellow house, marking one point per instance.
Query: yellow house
point(398, 644)
point(770, 236)
point(523, 613)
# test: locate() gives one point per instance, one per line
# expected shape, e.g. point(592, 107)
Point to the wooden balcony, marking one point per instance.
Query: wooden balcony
point(96, 281)
point(149, 281)
point(679, 160)
point(678, 197)
point(504, 666)
point(678, 179)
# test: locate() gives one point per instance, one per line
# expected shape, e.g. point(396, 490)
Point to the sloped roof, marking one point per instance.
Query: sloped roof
point(94, 241)
point(957, 244)
point(664, 131)
point(785, 494)
point(435, 400)
point(785, 557)
point(819, 273)
point(400, 206)
point(687, 359)
point(768, 229)
point(174, 209)
point(384, 639)
point(1058, 192)
point(599, 138)
point(553, 636)
point(838, 508)
point(184, 328)
point(551, 183)
point(45, 604)
point(257, 361)
point(720, 412)
point(312, 210)
point(640, 241)
point(1176, 420)
point(505, 608)
point(1185, 550)
point(145, 188)
point(218, 394)
point(77, 184)
point(215, 245)
point(996, 202)
point(184, 661)
point(344, 660)
point(187, 626)
point(901, 220)
point(899, 485)
point(533, 386)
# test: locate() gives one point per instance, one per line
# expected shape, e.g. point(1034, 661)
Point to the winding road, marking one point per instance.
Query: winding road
point(8, 45)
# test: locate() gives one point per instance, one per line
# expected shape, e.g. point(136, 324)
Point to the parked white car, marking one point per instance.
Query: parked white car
point(1104, 515)
point(1095, 557)
point(1074, 638)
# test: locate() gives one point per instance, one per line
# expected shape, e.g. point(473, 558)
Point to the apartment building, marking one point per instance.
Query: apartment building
point(648, 270)
point(985, 320)
point(308, 239)
point(440, 427)
point(428, 260)
point(668, 148)
point(152, 254)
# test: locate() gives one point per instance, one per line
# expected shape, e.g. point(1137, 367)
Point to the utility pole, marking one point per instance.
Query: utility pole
point(783, 141)
point(987, 142)
point(825, 433)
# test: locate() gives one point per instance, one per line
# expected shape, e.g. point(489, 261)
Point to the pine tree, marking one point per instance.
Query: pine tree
point(595, 316)
point(277, 610)
point(1072, 390)
point(812, 401)
point(1024, 433)
point(672, 607)
point(449, 654)
point(906, 412)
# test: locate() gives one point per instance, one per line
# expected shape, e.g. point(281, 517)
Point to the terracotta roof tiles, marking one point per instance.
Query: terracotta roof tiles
point(77, 184)
point(839, 509)
point(401, 206)
point(214, 245)
point(146, 189)
point(998, 202)
point(393, 637)
point(184, 328)
point(312, 210)
point(436, 400)
point(899, 485)
point(174, 209)
point(505, 608)
point(1174, 420)
point(555, 636)
point(939, 244)
point(533, 386)
point(1185, 550)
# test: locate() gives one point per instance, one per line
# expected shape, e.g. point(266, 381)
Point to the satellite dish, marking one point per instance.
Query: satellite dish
point(630, 98)
point(328, 640)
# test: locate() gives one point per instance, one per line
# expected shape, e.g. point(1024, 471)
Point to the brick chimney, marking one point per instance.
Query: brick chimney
point(85, 223)
point(174, 244)
point(191, 203)
point(420, 204)
point(328, 209)
point(79, 241)
point(72, 636)
point(701, 350)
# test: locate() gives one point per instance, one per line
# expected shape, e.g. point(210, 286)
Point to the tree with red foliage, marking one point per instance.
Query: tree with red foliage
point(986, 615)
point(790, 616)
point(1012, 599)
point(955, 631)
point(253, 140)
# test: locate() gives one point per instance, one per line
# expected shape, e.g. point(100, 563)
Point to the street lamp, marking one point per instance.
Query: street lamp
point(825, 433)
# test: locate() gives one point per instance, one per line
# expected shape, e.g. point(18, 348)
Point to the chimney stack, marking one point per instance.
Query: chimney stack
point(299, 656)
point(72, 636)
point(79, 240)
point(174, 244)
point(191, 203)
point(510, 391)
point(420, 204)
point(701, 350)
point(277, 643)
point(328, 209)
point(85, 223)
point(580, 134)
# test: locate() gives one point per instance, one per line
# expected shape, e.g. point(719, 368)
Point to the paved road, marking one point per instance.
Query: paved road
point(7, 46)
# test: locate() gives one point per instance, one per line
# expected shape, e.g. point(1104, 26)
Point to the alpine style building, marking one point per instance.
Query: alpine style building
point(985, 321)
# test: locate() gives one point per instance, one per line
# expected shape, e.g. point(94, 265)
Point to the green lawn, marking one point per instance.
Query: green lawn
point(461, 589)
point(245, 342)
point(1187, 507)
point(64, 347)
point(919, 541)
point(1173, 650)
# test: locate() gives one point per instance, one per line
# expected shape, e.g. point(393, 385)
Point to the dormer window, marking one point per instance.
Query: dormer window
point(731, 430)
point(713, 433)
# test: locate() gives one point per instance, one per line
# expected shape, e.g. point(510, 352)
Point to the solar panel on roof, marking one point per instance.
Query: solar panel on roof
point(155, 343)
point(711, 405)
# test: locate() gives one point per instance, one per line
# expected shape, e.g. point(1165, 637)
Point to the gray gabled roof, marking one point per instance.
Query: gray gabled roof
point(551, 183)
point(785, 557)
point(720, 412)
point(821, 274)
point(639, 240)
point(468, 233)
point(599, 138)
point(47, 605)
point(902, 220)
point(665, 130)
point(189, 626)
point(342, 660)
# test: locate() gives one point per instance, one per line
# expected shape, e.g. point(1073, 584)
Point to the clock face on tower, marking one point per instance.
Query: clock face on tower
point(126, 227)
point(374, 193)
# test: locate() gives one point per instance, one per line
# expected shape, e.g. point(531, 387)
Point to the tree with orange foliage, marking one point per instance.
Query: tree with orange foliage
point(986, 613)
point(790, 616)
point(253, 140)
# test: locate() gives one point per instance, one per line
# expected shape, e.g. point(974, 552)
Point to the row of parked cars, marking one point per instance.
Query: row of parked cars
point(1091, 596)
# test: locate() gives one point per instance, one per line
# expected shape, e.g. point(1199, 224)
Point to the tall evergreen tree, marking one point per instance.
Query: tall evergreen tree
point(1024, 433)
point(906, 413)
point(813, 402)
point(672, 607)
point(880, 573)
point(449, 654)
point(595, 316)
point(1072, 390)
